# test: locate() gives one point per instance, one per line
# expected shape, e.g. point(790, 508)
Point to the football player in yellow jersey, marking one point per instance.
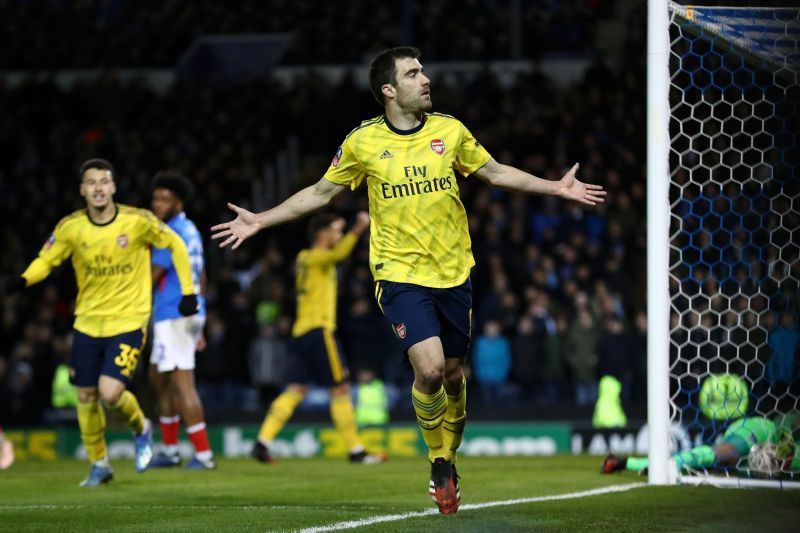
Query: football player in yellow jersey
point(316, 351)
point(109, 245)
point(420, 249)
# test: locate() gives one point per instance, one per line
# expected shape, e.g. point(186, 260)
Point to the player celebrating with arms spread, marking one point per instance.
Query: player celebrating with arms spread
point(420, 249)
point(110, 248)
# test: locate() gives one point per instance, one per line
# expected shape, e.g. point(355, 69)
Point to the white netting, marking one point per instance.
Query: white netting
point(735, 215)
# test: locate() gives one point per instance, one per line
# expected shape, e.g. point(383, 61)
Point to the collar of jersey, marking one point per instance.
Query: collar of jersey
point(116, 212)
point(177, 217)
point(398, 131)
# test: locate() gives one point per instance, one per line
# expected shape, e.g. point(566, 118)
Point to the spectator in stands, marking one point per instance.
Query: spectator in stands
point(226, 138)
point(581, 357)
point(491, 362)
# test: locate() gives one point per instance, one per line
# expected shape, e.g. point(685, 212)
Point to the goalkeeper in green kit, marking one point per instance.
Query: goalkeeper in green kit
point(768, 446)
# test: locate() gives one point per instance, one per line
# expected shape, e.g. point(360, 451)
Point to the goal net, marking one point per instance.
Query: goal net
point(734, 222)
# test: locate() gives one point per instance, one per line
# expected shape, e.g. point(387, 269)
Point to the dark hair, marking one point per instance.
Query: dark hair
point(175, 182)
point(383, 70)
point(99, 164)
point(320, 222)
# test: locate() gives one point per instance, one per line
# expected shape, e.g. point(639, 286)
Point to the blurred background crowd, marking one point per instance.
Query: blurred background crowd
point(559, 289)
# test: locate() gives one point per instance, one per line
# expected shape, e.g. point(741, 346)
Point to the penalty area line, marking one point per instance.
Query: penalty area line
point(352, 524)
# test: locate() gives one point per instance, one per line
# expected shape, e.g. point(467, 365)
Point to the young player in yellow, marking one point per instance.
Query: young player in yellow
point(420, 249)
point(110, 248)
point(317, 355)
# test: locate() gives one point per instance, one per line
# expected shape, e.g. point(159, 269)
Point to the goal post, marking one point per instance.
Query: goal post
point(723, 227)
point(658, 240)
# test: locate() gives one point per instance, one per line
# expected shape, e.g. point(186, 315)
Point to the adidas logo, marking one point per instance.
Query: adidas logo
point(386, 155)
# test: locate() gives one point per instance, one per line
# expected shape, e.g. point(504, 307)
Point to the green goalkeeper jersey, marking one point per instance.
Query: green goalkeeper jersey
point(749, 431)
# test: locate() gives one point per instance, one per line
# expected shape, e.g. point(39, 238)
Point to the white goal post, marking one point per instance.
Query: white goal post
point(723, 225)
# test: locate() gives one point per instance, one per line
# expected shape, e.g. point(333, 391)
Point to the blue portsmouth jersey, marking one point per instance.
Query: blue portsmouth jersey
point(167, 294)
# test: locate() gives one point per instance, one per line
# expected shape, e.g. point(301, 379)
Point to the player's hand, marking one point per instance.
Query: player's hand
point(201, 343)
point(362, 221)
point(188, 305)
point(14, 284)
point(237, 230)
point(571, 188)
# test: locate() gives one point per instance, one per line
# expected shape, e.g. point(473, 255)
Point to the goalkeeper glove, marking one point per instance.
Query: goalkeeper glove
point(188, 305)
point(14, 284)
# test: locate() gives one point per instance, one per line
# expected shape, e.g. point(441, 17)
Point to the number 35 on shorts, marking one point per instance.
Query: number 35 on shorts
point(127, 359)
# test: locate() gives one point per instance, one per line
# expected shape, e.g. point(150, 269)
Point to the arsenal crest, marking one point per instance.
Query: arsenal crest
point(400, 330)
point(122, 240)
point(437, 145)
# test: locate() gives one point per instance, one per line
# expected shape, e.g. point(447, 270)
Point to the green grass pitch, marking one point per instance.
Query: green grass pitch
point(242, 495)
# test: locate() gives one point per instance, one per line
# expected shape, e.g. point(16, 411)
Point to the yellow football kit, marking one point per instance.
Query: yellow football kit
point(112, 267)
point(419, 232)
point(317, 285)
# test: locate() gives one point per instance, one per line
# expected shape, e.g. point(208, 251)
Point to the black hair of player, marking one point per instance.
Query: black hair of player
point(320, 222)
point(175, 182)
point(97, 163)
point(383, 68)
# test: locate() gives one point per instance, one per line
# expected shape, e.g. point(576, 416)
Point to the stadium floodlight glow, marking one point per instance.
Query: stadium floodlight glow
point(723, 225)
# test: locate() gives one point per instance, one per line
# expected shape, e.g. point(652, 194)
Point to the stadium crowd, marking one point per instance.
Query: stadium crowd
point(155, 34)
point(558, 289)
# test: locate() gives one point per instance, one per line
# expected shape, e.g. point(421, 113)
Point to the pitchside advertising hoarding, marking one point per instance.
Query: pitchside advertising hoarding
point(494, 439)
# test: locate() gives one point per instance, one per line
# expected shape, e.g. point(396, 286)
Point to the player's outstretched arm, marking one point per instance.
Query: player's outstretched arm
point(568, 187)
point(247, 224)
point(52, 254)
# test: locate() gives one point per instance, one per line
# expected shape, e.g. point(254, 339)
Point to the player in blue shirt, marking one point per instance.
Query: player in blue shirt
point(177, 337)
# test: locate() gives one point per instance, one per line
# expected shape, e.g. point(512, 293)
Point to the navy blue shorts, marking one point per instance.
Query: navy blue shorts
point(418, 313)
point(317, 357)
point(115, 357)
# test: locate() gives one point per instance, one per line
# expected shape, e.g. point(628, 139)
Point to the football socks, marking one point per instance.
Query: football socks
point(344, 419)
point(92, 424)
point(279, 413)
point(199, 437)
point(430, 409)
point(454, 419)
point(127, 407)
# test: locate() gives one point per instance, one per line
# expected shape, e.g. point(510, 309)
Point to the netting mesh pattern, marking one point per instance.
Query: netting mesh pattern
point(735, 216)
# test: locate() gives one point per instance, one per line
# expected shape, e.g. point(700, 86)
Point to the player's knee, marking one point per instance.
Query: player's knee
point(110, 396)
point(454, 375)
point(87, 395)
point(431, 377)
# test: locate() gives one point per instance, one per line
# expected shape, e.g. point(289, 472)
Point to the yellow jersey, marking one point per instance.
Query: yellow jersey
point(419, 232)
point(316, 284)
point(112, 267)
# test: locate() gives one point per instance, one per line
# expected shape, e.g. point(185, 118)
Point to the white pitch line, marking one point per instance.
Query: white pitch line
point(352, 524)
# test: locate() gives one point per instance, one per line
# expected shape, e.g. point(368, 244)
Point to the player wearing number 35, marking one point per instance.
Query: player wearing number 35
point(110, 248)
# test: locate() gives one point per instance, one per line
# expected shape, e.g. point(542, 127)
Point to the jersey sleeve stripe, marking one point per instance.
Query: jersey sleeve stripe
point(69, 218)
point(366, 124)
